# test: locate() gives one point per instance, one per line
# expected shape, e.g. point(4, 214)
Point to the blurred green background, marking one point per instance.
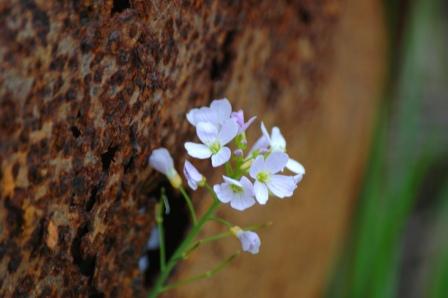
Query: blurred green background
point(398, 243)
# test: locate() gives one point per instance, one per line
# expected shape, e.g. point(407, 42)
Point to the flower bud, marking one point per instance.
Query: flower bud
point(250, 241)
point(162, 161)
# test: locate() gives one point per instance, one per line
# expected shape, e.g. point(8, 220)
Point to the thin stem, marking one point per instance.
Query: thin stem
point(189, 204)
point(186, 243)
point(219, 236)
point(159, 221)
point(206, 240)
point(210, 190)
point(222, 221)
point(215, 237)
point(204, 275)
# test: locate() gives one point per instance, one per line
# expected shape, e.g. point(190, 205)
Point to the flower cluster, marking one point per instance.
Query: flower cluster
point(251, 176)
point(216, 126)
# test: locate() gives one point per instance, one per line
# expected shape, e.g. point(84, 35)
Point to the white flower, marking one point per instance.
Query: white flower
point(250, 242)
point(194, 178)
point(162, 161)
point(240, 193)
point(239, 118)
point(278, 144)
point(264, 171)
point(297, 168)
point(214, 142)
point(261, 145)
point(276, 139)
point(218, 112)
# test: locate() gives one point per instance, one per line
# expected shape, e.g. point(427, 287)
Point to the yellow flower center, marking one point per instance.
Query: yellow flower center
point(263, 177)
point(236, 188)
point(215, 147)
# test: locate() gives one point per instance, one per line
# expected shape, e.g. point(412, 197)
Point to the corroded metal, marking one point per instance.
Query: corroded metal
point(89, 88)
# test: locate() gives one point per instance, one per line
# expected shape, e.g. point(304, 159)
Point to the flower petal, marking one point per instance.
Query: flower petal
point(250, 241)
point(281, 186)
point(241, 202)
point(204, 114)
point(276, 162)
point(162, 161)
point(192, 172)
point(249, 123)
point(221, 157)
point(238, 117)
point(278, 142)
point(143, 263)
point(261, 192)
point(222, 109)
point(261, 144)
point(192, 175)
point(257, 166)
point(191, 116)
point(265, 132)
point(198, 150)
point(223, 192)
point(228, 131)
point(154, 240)
point(298, 178)
point(295, 167)
point(207, 132)
point(232, 181)
point(247, 186)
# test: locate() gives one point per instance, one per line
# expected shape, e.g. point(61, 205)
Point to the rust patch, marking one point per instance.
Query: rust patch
point(52, 235)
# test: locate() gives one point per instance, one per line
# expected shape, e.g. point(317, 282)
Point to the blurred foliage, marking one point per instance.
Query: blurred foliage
point(400, 173)
point(437, 284)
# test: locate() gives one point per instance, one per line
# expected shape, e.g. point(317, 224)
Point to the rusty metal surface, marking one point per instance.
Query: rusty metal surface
point(89, 88)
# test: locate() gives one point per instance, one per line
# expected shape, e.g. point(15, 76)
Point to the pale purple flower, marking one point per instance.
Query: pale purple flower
point(154, 240)
point(143, 263)
point(238, 152)
point(239, 118)
point(162, 161)
point(194, 178)
point(214, 141)
point(264, 171)
point(277, 143)
point(218, 113)
point(261, 145)
point(250, 241)
point(240, 193)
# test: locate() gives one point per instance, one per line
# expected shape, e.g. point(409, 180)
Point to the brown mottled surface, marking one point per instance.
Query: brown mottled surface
point(89, 88)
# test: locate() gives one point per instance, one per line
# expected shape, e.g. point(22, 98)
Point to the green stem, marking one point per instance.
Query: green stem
point(189, 204)
point(206, 240)
point(219, 236)
point(215, 237)
point(178, 254)
point(159, 221)
point(204, 275)
point(222, 221)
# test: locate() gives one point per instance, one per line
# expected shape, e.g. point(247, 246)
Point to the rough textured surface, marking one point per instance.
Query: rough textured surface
point(89, 88)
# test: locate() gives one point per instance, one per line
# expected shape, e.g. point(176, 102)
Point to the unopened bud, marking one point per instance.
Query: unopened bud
point(245, 166)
